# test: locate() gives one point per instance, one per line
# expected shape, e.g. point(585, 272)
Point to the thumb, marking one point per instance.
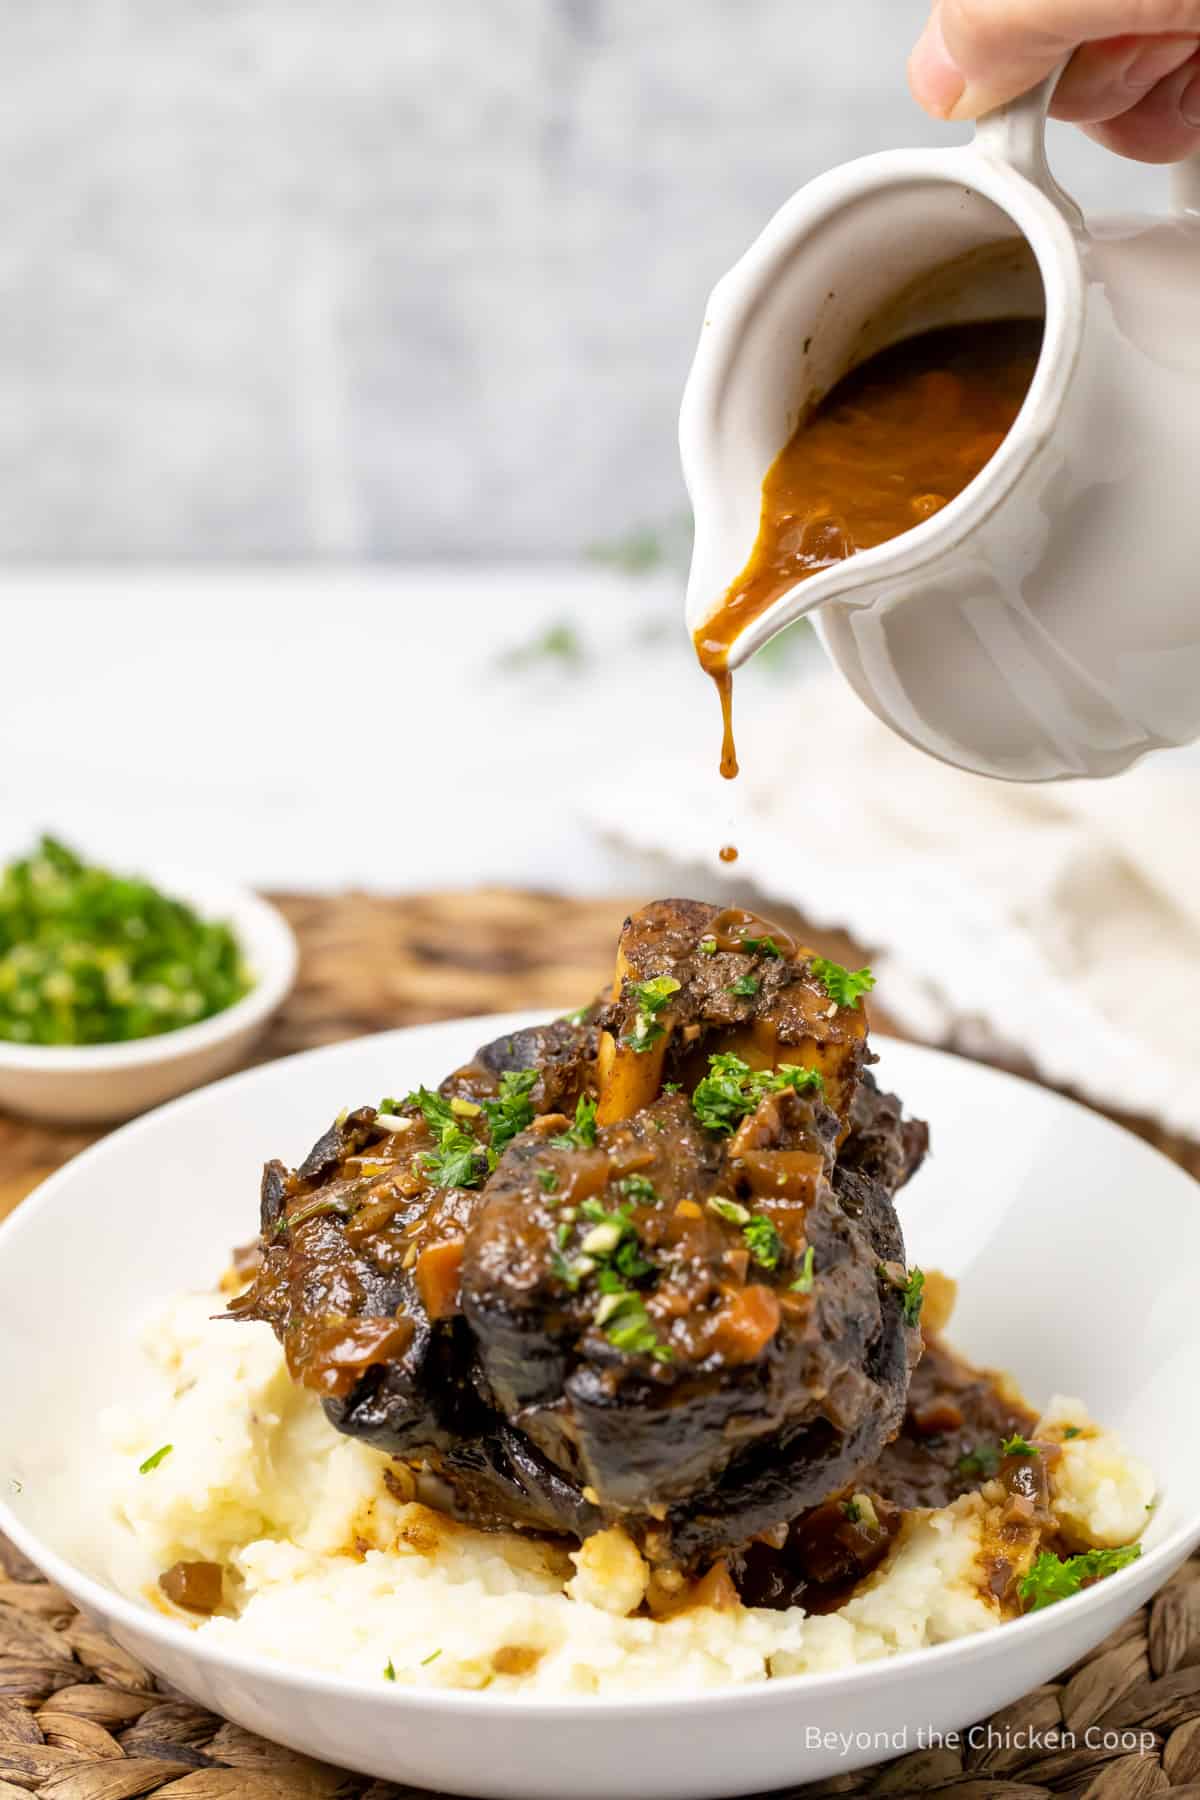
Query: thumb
point(977, 54)
point(964, 81)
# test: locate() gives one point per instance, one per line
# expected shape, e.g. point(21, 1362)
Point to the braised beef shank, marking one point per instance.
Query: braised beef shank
point(640, 1266)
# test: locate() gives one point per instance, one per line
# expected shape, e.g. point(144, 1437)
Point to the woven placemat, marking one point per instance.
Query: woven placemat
point(80, 1719)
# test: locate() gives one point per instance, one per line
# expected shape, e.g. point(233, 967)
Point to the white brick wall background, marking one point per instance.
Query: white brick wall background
point(399, 278)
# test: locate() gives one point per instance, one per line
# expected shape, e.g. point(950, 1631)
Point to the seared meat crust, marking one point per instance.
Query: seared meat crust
point(682, 1320)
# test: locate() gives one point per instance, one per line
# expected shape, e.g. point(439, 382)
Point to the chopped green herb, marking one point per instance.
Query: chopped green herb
point(672, 1087)
point(846, 986)
point(89, 957)
point(650, 997)
point(432, 1657)
point(611, 1249)
point(731, 1089)
point(388, 1105)
point(577, 1017)
point(983, 1460)
point(1072, 1431)
point(562, 1235)
point(731, 1210)
point(763, 1241)
point(581, 1135)
point(638, 1188)
point(547, 1180)
point(803, 1283)
point(460, 1161)
point(707, 946)
point(1054, 1578)
point(434, 1108)
point(623, 1318)
point(313, 1209)
point(914, 1295)
point(154, 1459)
point(759, 946)
point(852, 1511)
point(389, 1670)
point(513, 1112)
point(1018, 1446)
point(744, 988)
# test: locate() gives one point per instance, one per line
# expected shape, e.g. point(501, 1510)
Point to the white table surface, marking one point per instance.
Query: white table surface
point(318, 727)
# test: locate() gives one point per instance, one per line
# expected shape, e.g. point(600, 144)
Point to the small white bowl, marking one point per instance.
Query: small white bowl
point(97, 1084)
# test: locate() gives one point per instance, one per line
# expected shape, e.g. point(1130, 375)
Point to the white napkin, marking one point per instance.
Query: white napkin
point(1062, 921)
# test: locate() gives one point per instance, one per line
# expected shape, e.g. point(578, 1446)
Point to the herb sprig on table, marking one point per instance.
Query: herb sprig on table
point(89, 957)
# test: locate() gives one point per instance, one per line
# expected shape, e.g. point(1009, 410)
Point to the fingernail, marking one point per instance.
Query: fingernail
point(937, 81)
point(1156, 60)
point(1189, 102)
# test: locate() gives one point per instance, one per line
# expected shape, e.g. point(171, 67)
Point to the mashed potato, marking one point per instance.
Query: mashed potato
point(333, 1563)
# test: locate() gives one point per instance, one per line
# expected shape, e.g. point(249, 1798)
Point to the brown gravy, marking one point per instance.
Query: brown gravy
point(955, 1422)
point(889, 446)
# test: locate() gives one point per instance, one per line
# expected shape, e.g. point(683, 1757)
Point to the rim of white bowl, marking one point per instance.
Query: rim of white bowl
point(268, 946)
point(1146, 1574)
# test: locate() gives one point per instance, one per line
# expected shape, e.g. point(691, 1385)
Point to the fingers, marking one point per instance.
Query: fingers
point(1162, 127)
point(1108, 78)
point(976, 54)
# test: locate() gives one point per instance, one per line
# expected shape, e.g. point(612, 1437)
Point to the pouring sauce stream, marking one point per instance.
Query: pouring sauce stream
point(892, 443)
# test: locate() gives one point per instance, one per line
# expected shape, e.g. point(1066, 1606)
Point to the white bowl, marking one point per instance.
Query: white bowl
point(1076, 1248)
point(95, 1084)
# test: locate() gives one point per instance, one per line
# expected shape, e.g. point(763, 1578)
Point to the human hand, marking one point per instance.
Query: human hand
point(1133, 82)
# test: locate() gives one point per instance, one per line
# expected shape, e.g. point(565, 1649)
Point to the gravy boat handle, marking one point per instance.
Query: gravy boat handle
point(1016, 135)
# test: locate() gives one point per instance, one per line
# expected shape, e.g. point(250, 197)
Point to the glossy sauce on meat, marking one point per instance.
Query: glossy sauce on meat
point(888, 447)
point(955, 1418)
point(955, 1422)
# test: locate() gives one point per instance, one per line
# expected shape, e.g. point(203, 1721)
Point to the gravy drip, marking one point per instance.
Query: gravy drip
point(892, 443)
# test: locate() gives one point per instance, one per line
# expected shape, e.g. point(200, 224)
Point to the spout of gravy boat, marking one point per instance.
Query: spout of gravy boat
point(875, 251)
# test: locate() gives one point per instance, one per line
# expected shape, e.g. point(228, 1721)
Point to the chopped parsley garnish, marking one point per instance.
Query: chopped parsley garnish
point(1072, 1431)
point(547, 1180)
point(577, 1017)
point(759, 946)
point(846, 986)
point(852, 1511)
point(459, 1160)
point(672, 1087)
point(389, 1670)
point(731, 1210)
point(1054, 1578)
point(582, 1134)
point(1018, 1446)
point(513, 1111)
point(432, 1657)
point(707, 946)
point(803, 1283)
point(91, 957)
point(623, 1318)
point(637, 1187)
point(982, 1460)
point(763, 1241)
point(614, 1244)
point(650, 997)
point(153, 1460)
point(435, 1109)
point(744, 988)
point(731, 1089)
point(914, 1295)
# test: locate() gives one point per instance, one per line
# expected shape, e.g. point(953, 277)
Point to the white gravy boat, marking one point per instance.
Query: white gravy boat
point(1045, 623)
